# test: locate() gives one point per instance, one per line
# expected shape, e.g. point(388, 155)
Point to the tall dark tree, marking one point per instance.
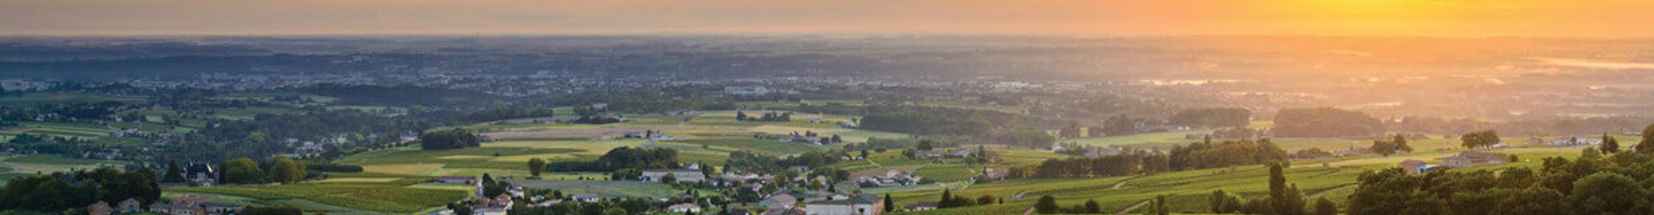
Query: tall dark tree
point(535, 166)
point(1647, 144)
point(1047, 205)
point(1608, 193)
point(173, 174)
point(889, 203)
point(1160, 205)
point(1479, 139)
point(1284, 199)
point(449, 139)
point(242, 171)
point(287, 171)
point(1609, 144)
point(947, 199)
point(1091, 206)
point(1325, 207)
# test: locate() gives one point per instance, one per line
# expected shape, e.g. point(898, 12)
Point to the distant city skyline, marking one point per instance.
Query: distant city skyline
point(1446, 18)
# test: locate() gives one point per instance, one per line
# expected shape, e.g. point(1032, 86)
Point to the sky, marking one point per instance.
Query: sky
point(1454, 18)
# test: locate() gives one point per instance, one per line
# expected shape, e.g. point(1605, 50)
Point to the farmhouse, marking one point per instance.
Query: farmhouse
point(1416, 167)
point(1473, 158)
point(864, 204)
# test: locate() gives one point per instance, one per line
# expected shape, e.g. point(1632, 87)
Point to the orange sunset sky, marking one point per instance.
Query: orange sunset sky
point(1471, 18)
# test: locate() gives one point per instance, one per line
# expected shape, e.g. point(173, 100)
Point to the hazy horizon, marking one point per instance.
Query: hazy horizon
point(1425, 18)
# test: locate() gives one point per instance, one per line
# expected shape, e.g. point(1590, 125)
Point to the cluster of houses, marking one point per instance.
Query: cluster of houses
point(687, 175)
point(808, 137)
point(1460, 160)
point(822, 203)
point(890, 178)
point(485, 205)
point(182, 205)
point(1573, 141)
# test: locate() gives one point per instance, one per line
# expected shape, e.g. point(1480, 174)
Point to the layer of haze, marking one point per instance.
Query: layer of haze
point(1544, 18)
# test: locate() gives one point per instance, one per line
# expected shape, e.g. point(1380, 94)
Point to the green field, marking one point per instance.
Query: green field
point(394, 197)
point(23, 165)
point(32, 99)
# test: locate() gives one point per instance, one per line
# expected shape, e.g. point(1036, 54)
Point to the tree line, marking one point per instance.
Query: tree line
point(248, 171)
point(63, 191)
point(449, 139)
point(622, 158)
point(1212, 117)
point(1325, 122)
point(1595, 183)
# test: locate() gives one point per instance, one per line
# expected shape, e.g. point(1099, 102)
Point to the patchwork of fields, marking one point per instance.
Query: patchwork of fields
point(392, 177)
point(392, 181)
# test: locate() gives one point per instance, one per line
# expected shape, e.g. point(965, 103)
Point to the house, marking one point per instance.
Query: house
point(164, 208)
point(454, 180)
point(1416, 167)
point(679, 176)
point(779, 201)
point(489, 211)
point(585, 198)
point(731, 179)
point(862, 204)
point(200, 174)
point(785, 211)
point(100, 208)
point(1473, 158)
point(962, 153)
point(684, 208)
point(193, 205)
point(990, 174)
point(309, 150)
point(220, 208)
point(129, 206)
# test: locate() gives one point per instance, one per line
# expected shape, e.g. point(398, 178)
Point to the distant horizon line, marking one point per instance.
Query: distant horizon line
point(783, 34)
